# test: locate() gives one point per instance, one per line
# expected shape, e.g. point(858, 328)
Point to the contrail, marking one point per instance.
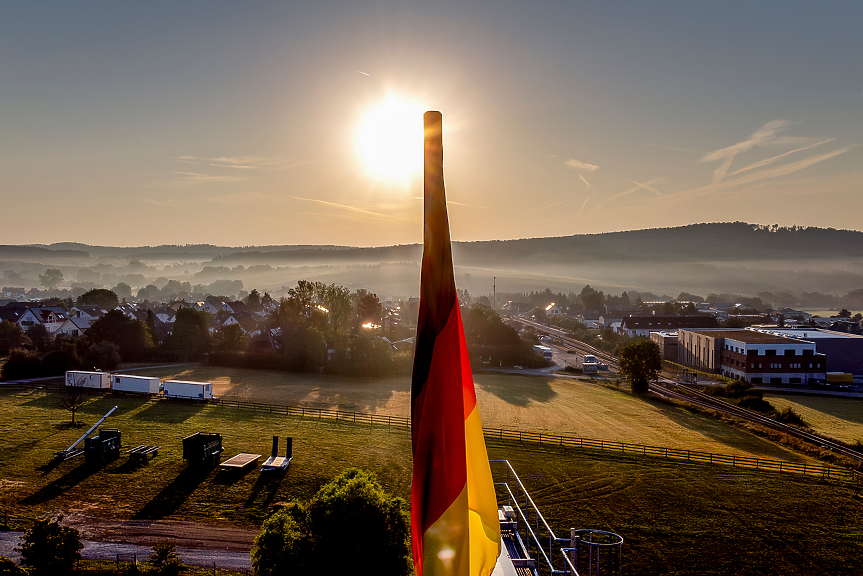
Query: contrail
point(345, 206)
point(583, 179)
point(363, 73)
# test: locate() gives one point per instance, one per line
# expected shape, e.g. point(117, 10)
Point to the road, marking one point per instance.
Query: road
point(223, 559)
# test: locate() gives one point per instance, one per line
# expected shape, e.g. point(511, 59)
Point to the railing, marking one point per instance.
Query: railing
point(536, 530)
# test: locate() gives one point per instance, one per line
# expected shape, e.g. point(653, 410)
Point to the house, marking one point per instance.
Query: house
point(49, 317)
point(75, 326)
point(87, 311)
point(642, 326)
point(14, 293)
point(232, 307)
point(245, 320)
point(552, 310)
point(210, 306)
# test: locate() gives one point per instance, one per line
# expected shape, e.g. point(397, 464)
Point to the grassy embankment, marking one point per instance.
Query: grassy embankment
point(576, 407)
point(676, 518)
point(839, 418)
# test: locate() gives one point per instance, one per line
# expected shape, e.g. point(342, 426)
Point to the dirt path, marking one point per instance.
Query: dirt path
point(148, 532)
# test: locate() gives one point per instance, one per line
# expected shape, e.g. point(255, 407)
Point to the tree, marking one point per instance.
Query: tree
point(640, 362)
point(39, 336)
point(101, 297)
point(103, 355)
point(123, 290)
point(21, 364)
point(368, 307)
point(73, 398)
point(306, 538)
point(132, 336)
point(254, 298)
point(11, 336)
point(51, 278)
point(50, 548)
point(230, 338)
point(191, 333)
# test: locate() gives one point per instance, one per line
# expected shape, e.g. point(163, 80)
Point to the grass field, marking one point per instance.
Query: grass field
point(541, 404)
point(841, 418)
point(676, 518)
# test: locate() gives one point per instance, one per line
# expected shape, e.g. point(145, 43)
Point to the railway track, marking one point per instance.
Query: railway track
point(674, 390)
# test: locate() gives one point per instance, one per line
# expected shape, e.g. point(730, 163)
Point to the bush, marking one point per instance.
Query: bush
point(22, 364)
point(9, 568)
point(789, 416)
point(350, 519)
point(50, 548)
point(755, 403)
point(164, 559)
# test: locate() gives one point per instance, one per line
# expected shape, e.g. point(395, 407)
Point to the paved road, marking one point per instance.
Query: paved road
point(109, 550)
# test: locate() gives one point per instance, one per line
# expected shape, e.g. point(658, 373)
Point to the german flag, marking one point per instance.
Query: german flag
point(454, 522)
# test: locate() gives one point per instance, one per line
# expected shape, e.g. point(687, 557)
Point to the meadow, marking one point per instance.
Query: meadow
point(554, 405)
point(840, 418)
point(675, 517)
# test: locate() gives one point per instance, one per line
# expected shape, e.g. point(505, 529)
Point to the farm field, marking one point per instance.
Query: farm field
point(841, 418)
point(676, 518)
point(541, 404)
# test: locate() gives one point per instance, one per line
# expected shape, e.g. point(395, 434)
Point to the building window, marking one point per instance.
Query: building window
point(776, 380)
point(808, 352)
point(770, 352)
point(756, 380)
point(794, 380)
point(790, 353)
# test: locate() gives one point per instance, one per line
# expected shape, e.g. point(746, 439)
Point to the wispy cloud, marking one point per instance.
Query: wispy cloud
point(767, 161)
point(760, 175)
point(240, 162)
point(576, 165)
point(760, 137)
point(195, 177)
point(549, 206)
point(343, 206)
point(586, 200)
point(459, 204)
point(649, 186)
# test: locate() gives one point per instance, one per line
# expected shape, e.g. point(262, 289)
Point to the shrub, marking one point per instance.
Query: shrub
point(50, 548)
point(22, 364)
point(164, 558)
point(102, 355)
point(789, 416)
point(316, 537)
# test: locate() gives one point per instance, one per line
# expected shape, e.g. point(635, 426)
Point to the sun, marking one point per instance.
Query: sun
point(390, 140)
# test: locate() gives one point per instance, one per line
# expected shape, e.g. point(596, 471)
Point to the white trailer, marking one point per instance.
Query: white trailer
point(98, 380)
point(136, 384)
point(184, 389)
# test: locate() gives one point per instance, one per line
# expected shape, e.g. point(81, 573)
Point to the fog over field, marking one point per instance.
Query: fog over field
point(790, 263)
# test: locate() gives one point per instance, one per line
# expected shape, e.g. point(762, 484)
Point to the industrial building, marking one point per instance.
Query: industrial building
point(752, 356)
point(844, 351)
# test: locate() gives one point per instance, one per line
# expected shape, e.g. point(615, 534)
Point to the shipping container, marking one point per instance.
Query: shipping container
point(840, 378)
point(88, 379)
point(136, 384)
point(104, 446)
point(183, 389)
point(202, 448)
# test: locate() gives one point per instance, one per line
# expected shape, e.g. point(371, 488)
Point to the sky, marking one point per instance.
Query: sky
point(249, 123)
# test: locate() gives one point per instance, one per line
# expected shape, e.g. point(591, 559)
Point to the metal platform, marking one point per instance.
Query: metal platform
point(240, 461)
point(276, 463)
point(143, 452)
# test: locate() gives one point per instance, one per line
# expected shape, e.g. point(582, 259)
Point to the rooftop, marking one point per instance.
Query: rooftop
point(749, 336)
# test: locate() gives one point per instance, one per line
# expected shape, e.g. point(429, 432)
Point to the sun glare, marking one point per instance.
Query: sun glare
point(390, 140)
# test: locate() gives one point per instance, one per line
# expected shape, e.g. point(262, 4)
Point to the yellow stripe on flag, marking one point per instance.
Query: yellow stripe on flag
point(482, 500)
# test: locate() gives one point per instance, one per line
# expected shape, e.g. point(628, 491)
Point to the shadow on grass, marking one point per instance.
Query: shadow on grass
point(66, 482)
point(725, 433)
point(169, 411)
point(172, 496)
point(268, 484)
point(229, 477)
point(518, 390)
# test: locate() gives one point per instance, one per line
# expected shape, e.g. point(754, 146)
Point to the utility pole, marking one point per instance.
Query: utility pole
point(494, 293)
